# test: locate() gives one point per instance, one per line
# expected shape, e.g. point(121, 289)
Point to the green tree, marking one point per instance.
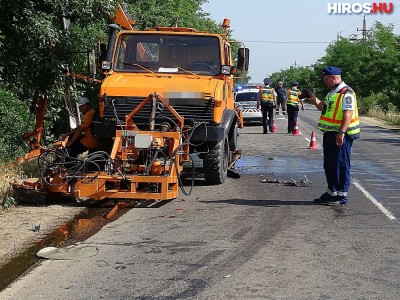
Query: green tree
point(36, 42)
point(15, 121)
point(181, 13)
point(370, 66)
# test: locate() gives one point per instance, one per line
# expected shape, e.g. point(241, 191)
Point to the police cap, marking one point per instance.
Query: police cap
point(267, 81)
point(331, 71)
point(295, 83)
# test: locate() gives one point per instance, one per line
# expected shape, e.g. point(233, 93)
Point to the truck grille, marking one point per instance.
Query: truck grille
point(190, 109)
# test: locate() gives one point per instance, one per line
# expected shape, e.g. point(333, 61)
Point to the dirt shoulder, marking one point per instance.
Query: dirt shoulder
point(16, 222)
point(16, 226)
point(377, 122)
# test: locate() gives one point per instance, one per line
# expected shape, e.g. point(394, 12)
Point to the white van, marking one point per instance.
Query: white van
point(247, 99)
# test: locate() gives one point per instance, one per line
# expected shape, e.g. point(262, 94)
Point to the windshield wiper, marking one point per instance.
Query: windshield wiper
point(188, 71)
point(141, 67)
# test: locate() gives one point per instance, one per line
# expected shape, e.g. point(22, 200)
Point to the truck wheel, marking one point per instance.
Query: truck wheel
point(215, 163)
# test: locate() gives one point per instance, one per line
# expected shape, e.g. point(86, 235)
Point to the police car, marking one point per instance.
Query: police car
point(247, 100)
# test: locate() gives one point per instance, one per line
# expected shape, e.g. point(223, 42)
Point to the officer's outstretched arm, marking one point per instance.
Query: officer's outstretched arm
point(318, 103)
point(307, 94)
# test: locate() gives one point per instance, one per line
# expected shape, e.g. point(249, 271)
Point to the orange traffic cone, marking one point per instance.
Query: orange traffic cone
point(274, 129)
point(313, 142)
point(296, 130)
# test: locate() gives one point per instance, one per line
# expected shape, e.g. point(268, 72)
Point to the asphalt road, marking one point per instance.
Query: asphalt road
point(247, 238)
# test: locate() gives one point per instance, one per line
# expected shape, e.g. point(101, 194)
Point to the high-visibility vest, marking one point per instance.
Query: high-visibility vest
point(332, 114)
point(293, 97)
point(268, 95)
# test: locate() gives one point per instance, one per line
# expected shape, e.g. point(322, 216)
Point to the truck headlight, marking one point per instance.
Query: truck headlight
point(226, 70)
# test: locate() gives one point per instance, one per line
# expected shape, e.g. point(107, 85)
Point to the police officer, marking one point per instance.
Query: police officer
point(267, 103)
point(281, 99)
point(340, 123)
point(292, 105)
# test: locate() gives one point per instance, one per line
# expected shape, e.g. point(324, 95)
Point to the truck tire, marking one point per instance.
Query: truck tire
point(215, 163)
point(234, 138)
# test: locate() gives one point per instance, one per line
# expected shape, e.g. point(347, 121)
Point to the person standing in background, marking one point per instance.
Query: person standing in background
point(268, 103)
point(281, 98)
point(292, 105)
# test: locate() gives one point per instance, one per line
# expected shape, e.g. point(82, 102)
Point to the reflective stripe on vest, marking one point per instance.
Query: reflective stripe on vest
point(293, 97)
point(267, 95)
point(331, 116)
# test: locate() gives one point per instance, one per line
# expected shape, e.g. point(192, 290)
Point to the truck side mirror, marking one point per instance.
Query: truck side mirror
point(243, 59)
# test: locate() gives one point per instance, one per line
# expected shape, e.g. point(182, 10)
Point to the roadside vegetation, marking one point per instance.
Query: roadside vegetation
point(371, 67)
point(39, 39)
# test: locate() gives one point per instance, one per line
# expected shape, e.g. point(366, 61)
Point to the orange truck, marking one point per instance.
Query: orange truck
point(167, 92)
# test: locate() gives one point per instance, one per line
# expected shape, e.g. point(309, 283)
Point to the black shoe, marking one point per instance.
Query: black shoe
point(271, 130)
point(338, 201)
point(325, 198)
point(265, 132)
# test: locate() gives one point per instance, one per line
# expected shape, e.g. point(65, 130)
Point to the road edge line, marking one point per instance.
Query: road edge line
point(379, 205)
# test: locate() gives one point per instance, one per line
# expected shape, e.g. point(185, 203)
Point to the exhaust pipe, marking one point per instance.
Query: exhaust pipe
point(111, 40)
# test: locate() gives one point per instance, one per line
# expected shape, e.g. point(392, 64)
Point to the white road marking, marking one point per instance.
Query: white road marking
point(376, 180)
point(374, 201)
point(389, 159)
point(374, 154)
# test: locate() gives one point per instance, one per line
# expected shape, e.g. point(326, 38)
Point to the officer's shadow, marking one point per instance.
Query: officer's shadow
point(262, 202)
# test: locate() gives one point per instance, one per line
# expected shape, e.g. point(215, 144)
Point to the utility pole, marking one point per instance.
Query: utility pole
point(295, 64)
point(364, 30)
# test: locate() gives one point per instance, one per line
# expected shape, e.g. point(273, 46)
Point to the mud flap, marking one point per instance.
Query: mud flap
point(232, 173)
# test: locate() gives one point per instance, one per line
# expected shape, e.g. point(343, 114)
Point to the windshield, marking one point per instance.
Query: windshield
point(249, 96)
point(160, 53)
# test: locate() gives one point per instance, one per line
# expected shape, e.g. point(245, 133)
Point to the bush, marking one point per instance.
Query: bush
point(377, 101)
point(15, 121)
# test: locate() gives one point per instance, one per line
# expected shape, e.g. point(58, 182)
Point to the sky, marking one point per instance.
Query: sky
point(285, 33)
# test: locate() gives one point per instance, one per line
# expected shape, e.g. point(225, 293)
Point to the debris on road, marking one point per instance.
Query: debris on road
point(292, 182)
point(68, 253)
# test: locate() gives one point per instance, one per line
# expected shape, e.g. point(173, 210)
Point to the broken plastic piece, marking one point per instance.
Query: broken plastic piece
point(68, 253)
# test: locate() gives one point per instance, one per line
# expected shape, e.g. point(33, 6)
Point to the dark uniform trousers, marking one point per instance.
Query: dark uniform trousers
point(267, 111)
point(337, 162)
point(292, 114)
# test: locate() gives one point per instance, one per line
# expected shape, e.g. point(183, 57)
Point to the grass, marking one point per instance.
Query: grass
point(392, 117)
point(8, 174)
